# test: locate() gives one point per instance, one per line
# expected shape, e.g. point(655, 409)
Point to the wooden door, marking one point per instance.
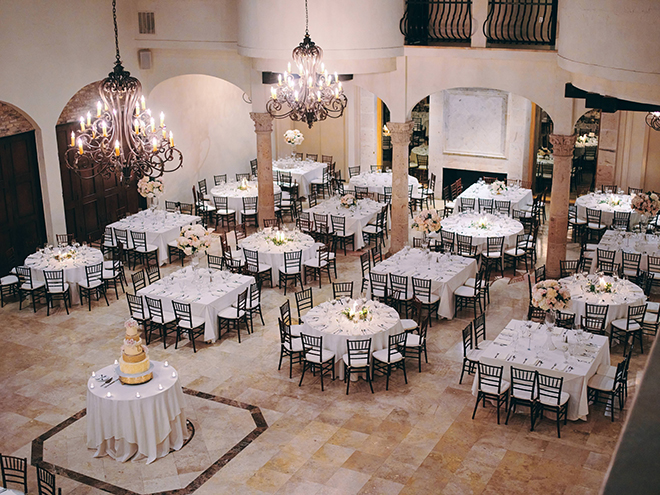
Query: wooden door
point(91, 204)
point(22, 224)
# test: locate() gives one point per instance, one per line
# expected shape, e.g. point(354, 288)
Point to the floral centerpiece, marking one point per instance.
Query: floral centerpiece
point(498, 187)
point(194, 239)
point(550, 295)
point(612, 201)
point(278, 239)
point(600, 287)
point(293, 137)
point(355, 315)
point(243, 185)
point(150, 187)
point(482, 224)
point(348, 200)
point(427, 221)
point(65, 255)
point(646, 203)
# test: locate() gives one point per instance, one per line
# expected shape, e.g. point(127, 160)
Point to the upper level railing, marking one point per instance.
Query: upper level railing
point(427, 21)
point(521, 21)
point(509, 21)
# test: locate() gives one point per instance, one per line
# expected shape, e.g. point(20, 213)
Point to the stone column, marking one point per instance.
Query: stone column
point(400, 133)
point(263, 126)
point(562, 146)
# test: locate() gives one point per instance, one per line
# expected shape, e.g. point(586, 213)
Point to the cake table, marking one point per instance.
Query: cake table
point(125, 426)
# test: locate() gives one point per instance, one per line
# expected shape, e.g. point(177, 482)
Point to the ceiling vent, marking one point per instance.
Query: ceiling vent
point(147, 23)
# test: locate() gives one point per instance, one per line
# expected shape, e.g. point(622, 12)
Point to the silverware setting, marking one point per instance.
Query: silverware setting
point(109, 382)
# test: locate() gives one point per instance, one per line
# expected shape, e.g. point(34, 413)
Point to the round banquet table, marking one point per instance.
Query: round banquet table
point(464, 223)
point(377, 181)
point(357, 217)
point(235, 195)
point(626, 294)
point(125, 426)
point(607, 204)
point(326, 320)
point(302, 171)
point(272, 254)
point(74, 268)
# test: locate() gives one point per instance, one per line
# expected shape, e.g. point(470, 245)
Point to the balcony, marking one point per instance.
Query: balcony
point(505, 22)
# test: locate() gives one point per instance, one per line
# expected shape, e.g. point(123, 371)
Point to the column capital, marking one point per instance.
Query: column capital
point(400, 132)
point(263, 122)
point(562, 145)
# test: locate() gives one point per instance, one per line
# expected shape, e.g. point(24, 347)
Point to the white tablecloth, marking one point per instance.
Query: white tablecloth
point(376, 182)
point(625, 294)
point(235, 196)
point(74, 268)
point(608, 204)
point(273, 255)
point(447, 273)
point(513, 348)
point(612, 240)
point(357, 217)
point(520, 198)
point(302, 171)
point(161, 227)
point(124, 425)
point(326, 320)
point(207, 292)
point(465, 223)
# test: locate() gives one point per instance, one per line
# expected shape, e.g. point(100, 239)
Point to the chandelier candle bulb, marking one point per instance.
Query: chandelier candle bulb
point(162, 119)
point(171, 139)
point(98, 109)
point(80, 146)
point(152, 122)
point(117, 152)
point(155, 145)
point(137, 110)
point(82, 124)
point(136, 124)
point(73, 139)
point(164, 133)
point(89, 118)
point(104, 128)
point(143, 102)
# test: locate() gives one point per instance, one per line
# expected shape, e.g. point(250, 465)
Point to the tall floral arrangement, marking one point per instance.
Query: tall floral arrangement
point(194, 239)
point(427, 221)
point(550, 294)
point(498, 187)
point(150, 187)
point(293, 137)
point(645, 203)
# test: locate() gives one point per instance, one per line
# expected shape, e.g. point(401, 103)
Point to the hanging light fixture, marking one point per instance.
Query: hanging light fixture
point(124, 138)
point(653, 120)
point(310, 95)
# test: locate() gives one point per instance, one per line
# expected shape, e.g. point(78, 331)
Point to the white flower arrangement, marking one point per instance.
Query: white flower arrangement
point(550, 294)
point(150, 187)
point(348, 200)
point(498, 187)
point(427, 221)
point(645, 203)
point(482, 224)
point(65, 255)
point(293, 137)
point(194, 239)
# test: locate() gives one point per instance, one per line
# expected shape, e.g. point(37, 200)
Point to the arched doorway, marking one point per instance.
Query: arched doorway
point(89, 203)
point(585, 155)
point(22, 223)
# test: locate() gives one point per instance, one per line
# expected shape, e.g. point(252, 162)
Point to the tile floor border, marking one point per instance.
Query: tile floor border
point(258, 418)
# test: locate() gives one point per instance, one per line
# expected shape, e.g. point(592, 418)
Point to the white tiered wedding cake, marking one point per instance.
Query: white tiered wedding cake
point(134, 361)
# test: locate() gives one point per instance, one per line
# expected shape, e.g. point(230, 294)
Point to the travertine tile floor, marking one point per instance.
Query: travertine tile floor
point(414, 438)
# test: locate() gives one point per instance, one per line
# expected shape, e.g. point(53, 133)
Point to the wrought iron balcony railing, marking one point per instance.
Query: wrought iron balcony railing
point(521, 21)
point(427, 21)
point(509, 21)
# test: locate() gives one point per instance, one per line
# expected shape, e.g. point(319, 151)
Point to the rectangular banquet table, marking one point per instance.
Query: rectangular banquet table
point(446, 271)
point(126, 426)
point(520, 198)
point(357, 217)
point(161, 227)
point(207, 292)
point(302, 171)
point(510, 348)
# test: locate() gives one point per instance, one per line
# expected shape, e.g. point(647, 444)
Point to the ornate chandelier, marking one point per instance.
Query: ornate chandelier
point(124, 138)
point(653, 120)
point(312, 94)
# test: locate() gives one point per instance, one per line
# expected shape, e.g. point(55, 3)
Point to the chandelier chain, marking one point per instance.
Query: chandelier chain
point(114, 19)
point(306, 19)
